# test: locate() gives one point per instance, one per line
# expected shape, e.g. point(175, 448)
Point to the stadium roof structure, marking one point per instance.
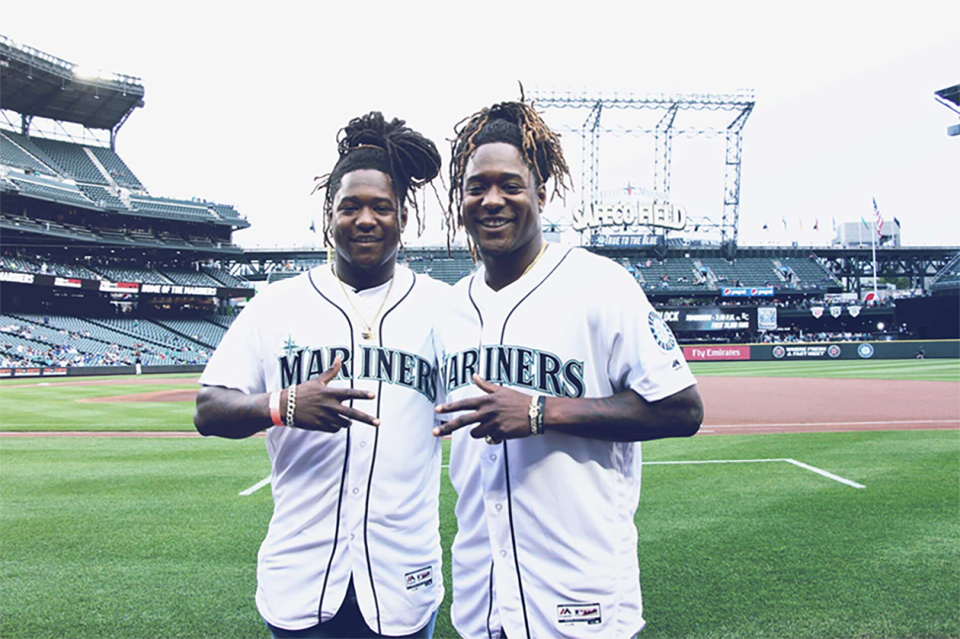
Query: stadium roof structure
point(950, 94)
point(37, 84)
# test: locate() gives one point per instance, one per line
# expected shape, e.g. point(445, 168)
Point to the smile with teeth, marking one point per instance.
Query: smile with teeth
point(492, 223)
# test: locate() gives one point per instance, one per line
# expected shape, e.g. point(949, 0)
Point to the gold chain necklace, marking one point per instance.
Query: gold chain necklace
point(543, 250)
point(367, 332)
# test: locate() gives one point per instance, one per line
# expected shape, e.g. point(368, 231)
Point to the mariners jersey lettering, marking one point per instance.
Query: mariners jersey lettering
point(515, 366)
point(376, 363)
point(546, 543)
point(362, 503)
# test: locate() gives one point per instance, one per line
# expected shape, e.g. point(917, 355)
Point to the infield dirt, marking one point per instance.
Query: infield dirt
point(736, 405)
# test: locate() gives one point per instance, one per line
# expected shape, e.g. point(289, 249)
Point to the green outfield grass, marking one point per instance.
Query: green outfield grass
point(150, 538)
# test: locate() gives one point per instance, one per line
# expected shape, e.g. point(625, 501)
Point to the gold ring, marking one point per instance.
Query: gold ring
point(491, 440)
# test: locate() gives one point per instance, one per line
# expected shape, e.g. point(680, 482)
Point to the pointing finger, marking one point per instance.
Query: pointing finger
point(358, 415)
point(344, 394)
point(455, 424)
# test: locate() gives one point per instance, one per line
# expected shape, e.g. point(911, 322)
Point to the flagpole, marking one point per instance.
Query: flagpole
point(874, 244)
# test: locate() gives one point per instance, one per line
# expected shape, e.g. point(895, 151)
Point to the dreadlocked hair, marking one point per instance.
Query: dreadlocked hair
point(515, 123)
point(371, 142)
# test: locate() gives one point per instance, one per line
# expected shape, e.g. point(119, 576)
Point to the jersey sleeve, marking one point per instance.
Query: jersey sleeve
point(643, 353)
point(237, 363)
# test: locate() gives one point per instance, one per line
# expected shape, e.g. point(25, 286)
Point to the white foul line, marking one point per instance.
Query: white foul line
point(257, 486)
point(263, 482)
point(824, 473)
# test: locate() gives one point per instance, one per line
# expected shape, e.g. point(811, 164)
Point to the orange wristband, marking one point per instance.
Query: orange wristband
point(275, 408)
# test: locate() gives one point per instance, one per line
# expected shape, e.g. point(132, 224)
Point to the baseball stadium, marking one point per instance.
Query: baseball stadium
point(819, 498)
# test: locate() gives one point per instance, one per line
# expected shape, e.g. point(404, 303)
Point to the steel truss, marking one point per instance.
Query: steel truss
point(740, 103)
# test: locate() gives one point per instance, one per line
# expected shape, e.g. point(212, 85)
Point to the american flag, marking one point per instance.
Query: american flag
point(879, 218)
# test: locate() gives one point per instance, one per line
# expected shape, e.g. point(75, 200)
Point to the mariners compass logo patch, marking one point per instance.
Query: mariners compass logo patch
point(662, 334)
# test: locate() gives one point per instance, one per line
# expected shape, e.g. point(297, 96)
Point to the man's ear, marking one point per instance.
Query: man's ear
point(542, 195)
point(403, 219)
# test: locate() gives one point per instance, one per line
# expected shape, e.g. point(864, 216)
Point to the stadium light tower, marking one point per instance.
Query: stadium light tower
point(950, 98)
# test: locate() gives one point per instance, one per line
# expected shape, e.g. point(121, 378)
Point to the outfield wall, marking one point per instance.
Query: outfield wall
point(910, 349)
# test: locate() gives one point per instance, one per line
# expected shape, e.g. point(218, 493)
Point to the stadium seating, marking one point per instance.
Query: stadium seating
point(188, 277)
point(225, 278)
point(450, 270)
point(117, 168)
point(679, 274)
point(12, 154)
point(60, 192)
point(226, 211)
point(198, 330)
point(172, 208)
point(948, 277)
point(810, 272)
point(72, 159)
point(131, 274)
point(102, 197)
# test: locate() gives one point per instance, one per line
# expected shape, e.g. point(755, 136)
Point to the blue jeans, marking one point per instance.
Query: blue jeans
point(348, 623)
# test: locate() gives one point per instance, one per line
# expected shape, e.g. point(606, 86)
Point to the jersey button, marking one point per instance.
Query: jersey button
point(356, 491)
point(363, 444)
point(352, 536)
point(493, 458)
point(499, 507)
point(503, 553)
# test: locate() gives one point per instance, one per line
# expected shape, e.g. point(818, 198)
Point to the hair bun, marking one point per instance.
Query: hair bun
point(414, 157)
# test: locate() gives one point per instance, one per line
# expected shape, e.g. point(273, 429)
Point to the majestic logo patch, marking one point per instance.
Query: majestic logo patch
point(419, 578)
point(661, 332)
point(676, 365)
point(865, 351)
point(579, 613)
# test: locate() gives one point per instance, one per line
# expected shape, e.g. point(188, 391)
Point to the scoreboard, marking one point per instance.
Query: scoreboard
point(710, 318)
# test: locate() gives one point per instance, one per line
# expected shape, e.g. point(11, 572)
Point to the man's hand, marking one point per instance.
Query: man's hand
point(500, 414)
point(320, 407)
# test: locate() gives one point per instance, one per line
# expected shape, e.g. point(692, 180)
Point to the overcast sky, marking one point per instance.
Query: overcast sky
point(243, 104)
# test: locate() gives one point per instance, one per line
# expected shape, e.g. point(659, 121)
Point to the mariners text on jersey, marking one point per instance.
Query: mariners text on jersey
point(515, 366)
point(389, 365)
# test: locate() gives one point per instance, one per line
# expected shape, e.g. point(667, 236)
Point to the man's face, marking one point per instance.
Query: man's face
point(365, 230)
point(501, 200)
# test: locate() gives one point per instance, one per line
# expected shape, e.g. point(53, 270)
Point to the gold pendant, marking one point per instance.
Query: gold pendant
point(368, 334)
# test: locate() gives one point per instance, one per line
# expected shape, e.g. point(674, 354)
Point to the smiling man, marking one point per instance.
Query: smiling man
point(555, 367)
point(339, 367)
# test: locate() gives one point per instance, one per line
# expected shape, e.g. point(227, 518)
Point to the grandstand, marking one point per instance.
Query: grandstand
point(96, 270)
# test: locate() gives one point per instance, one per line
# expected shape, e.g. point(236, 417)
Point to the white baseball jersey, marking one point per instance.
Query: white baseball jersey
point(547, 544)
point(362, 501)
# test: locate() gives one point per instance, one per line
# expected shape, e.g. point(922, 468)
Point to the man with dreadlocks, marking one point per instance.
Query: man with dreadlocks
point(339, 367)
point(556, 367)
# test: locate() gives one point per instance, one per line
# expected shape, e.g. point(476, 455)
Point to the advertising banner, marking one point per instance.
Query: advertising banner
point(807, 351)
point(176, 289)
point(119, 287)
point(624, 240)
point(69, 282)
point(767, 318)
point(19, 278)
point(715, 353)
point(744, 291)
